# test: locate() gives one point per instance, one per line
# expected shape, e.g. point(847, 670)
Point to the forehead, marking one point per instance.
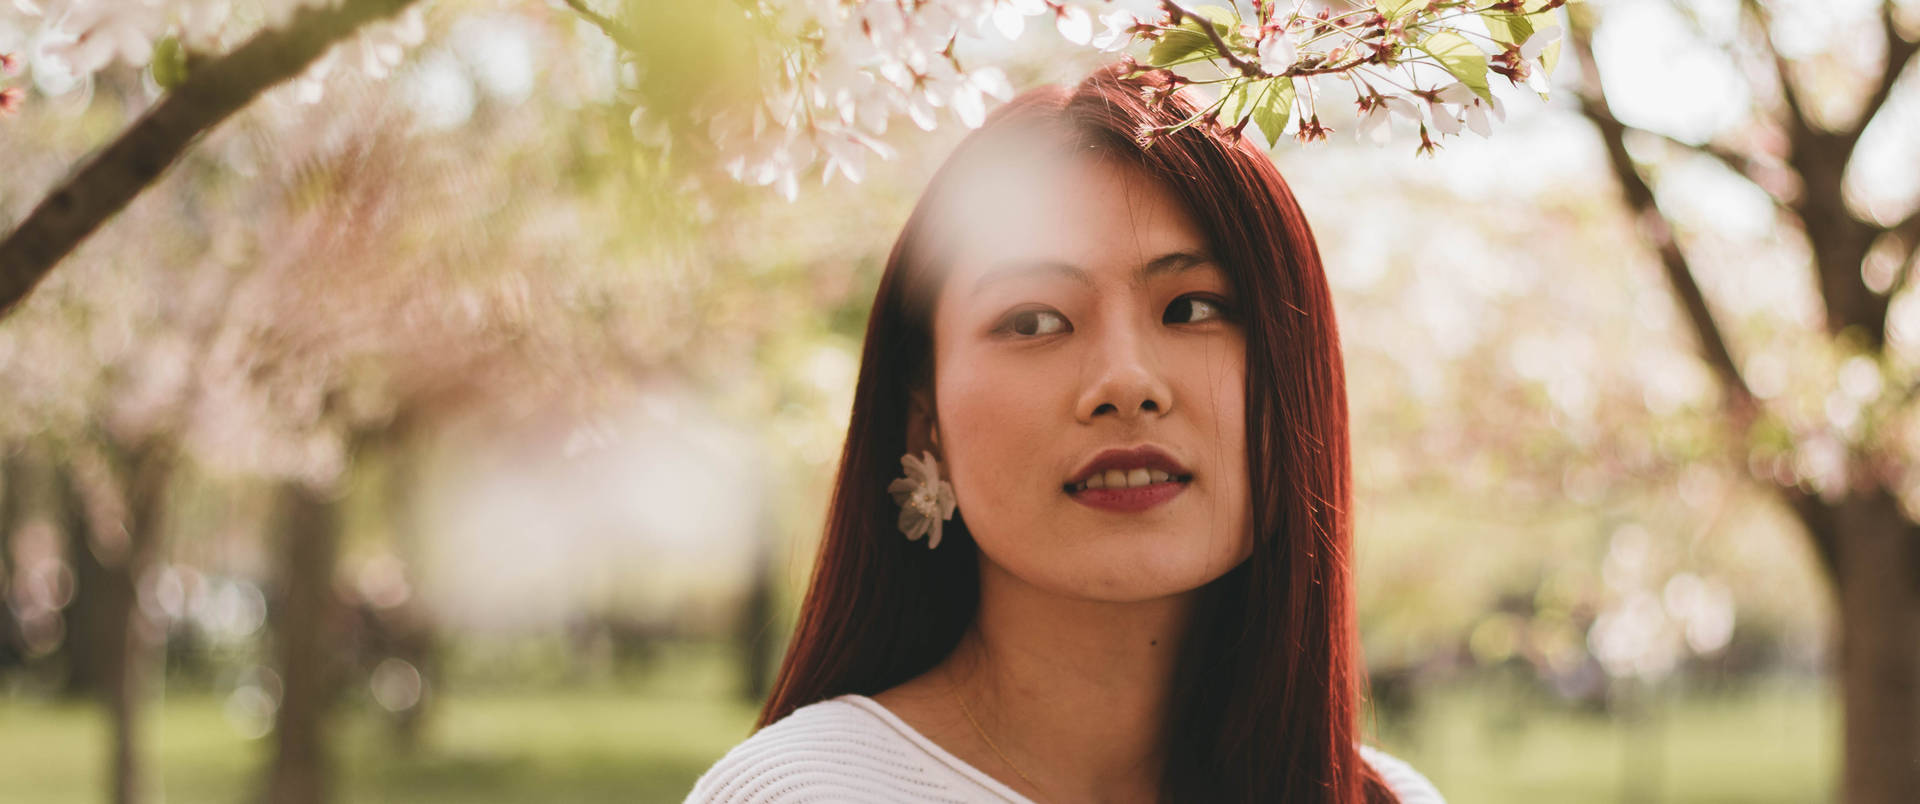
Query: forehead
point(1104, 215)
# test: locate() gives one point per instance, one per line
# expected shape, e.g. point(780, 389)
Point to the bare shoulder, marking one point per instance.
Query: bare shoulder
point(1408, 784)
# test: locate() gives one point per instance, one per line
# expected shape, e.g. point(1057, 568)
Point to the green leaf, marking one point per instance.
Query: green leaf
point(1461, 58)
point(1392, 9)
point(1274, 108)
point(1178, 44)
point(169, 63)
point(1189, 39)
point(1511, 30)
point(1238, 101)
point(1223, 18)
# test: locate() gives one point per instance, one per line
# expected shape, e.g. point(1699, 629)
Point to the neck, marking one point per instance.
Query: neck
point(1075, 692)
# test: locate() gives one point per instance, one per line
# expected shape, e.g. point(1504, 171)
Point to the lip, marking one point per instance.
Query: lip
point(1145, 455)
point(1132, 499)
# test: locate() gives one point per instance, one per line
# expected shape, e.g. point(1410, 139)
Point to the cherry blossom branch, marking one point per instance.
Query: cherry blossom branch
point(216, 89)
point(614, 30)
point(1742, 404)
point(1175, 14)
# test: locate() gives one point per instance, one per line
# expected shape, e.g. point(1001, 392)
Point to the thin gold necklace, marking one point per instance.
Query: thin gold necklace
point(983, 734)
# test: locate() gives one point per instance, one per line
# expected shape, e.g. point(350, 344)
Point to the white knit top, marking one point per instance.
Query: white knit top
point(852, 749)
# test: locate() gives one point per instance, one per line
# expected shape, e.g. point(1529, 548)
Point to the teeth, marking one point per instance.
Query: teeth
point(1117, 479)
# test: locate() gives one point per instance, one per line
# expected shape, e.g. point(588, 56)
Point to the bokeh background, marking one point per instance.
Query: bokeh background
point(463, 436)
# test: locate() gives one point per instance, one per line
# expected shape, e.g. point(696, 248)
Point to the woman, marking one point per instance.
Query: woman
point(1089, 538)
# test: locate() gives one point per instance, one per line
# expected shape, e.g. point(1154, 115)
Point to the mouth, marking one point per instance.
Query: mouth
point(1160, 487)
point(1128, 480)
point(1123, 479)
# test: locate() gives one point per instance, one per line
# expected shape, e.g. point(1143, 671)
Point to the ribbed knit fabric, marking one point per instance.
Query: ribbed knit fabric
point(852, 749)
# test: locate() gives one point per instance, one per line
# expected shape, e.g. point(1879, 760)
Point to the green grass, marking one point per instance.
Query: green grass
point(561, 745)
point(1774, 742)
point(621, 742)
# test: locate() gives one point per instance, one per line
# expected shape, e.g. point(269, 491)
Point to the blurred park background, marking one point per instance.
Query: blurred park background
point(462, 435)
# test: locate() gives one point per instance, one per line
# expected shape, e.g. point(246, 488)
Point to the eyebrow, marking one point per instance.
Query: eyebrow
point(1169, 263)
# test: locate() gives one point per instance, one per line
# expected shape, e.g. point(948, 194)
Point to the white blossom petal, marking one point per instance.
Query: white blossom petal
point(1444, 121)
point(1075, 24)
point(1538, 42)
point(993, 82)
point(1476, 118)
point(1118, 34)
point(1375, 126)
point(1009, 21)
point(968, 106)
point(1277, 52)
point(1457, 93)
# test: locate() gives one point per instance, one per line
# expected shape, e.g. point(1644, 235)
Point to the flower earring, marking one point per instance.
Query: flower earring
point(924, 498)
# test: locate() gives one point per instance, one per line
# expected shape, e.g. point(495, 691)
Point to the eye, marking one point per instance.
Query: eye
point(1192, 309)
point(1033, 322)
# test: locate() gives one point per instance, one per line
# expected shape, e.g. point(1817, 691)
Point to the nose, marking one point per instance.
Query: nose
point(1125, 380)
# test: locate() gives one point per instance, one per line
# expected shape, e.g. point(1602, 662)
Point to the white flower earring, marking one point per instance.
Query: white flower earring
point(925, 499)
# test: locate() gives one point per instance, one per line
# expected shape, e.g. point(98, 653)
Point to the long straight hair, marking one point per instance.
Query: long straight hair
point(1268, 686)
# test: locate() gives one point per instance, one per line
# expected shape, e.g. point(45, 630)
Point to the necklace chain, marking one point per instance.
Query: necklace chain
point(983, 734)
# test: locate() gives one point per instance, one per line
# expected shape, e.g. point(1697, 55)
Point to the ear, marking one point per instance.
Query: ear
point(923, 424)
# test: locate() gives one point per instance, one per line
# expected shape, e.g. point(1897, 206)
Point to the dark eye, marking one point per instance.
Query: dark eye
point(1194, 309)
point(1034, 322)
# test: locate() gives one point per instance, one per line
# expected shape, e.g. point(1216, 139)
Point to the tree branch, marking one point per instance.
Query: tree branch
point(614, 30)
point(1900, 52)
point(1744, 165)
point(1799, 127)
point(1175, 14)
point(1653, 224)
point(111, 178)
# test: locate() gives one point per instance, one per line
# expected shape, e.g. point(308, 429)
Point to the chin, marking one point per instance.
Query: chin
point(1149, 572)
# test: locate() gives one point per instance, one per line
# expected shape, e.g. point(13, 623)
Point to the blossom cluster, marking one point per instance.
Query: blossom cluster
point(858, 63)
point(842, 71)
point(82, 37)
point(856, 66)
point(1411, 60)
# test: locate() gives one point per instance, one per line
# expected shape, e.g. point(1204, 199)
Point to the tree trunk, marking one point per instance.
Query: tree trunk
point(82, 646)
point(417, 641)
point(757, 631)
point(1878, 589)
point(308, 625)
point(13, 502)
point(111, 642)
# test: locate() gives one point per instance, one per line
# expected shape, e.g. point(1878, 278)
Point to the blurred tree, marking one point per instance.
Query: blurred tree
point(1846, 471)
point(214, 89)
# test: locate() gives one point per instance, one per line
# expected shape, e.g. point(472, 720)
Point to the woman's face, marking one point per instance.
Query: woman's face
point(1086, 316)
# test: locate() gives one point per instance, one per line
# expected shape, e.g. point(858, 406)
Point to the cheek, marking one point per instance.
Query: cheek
point(991, 418)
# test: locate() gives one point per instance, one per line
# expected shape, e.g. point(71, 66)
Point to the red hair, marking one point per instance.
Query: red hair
point(1268, 687)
